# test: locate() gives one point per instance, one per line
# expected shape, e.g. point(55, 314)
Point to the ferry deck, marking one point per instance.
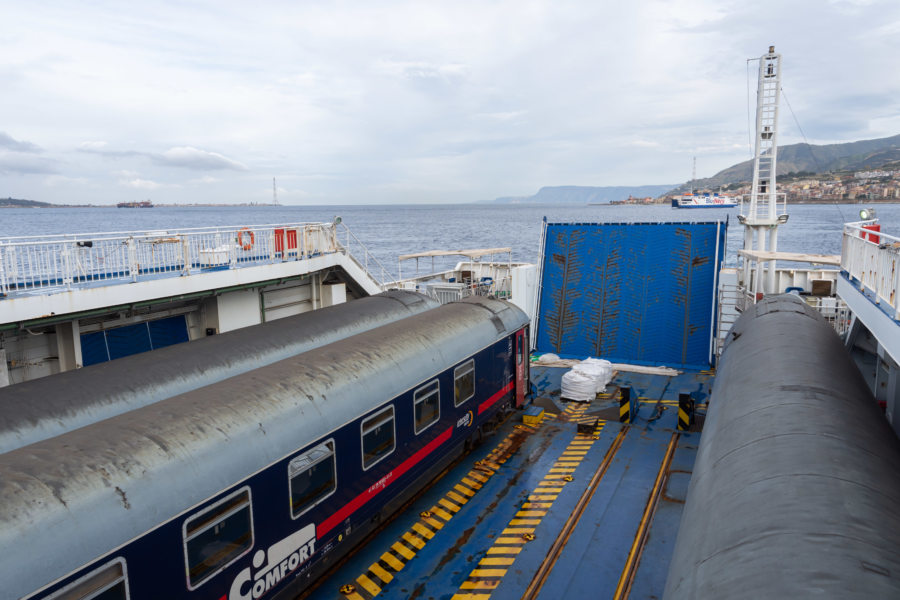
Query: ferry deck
point(574, 504)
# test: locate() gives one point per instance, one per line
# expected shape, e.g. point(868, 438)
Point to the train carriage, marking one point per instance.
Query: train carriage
point(250, 487)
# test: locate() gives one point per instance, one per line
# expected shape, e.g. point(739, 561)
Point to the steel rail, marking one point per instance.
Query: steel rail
point(540, 576)
point(637, 547)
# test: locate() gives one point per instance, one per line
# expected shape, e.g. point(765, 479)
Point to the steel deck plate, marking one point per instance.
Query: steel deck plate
point(481, 553)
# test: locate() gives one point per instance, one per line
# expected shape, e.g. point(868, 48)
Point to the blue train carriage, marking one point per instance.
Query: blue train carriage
point(251, 487)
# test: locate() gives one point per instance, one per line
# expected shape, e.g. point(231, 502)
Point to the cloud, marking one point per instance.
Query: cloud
point(62, 180)
point(141, 184)
point(13, 164)
point(205, 180)
point(7, 141)
point(134, 180)
point(183, 157)
point(187, 157)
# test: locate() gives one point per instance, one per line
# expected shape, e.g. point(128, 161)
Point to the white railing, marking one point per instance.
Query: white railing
point(835, 311)
point(762, 205)
point(385, 279)
point(872, 260)
point(64, 262)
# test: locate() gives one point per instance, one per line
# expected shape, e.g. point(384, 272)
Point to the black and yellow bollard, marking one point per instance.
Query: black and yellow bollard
point(625, 405)
point(685, 412)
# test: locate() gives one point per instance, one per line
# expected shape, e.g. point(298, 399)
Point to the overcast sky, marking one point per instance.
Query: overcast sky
point(382, 102)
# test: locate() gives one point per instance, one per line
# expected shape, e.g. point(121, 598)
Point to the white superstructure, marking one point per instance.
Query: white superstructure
point(133, 291)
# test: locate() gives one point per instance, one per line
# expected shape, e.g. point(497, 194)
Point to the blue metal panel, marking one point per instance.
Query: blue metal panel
point(630, 292)
point(110, 344)
point(93, 348)
point(128, 340)
point(166, 332)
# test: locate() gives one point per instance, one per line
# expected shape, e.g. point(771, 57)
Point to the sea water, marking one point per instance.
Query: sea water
point(388, 231)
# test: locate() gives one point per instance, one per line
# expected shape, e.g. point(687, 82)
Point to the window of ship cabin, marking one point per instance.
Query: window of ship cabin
point(463, 382)
point(217, 537)
point(109, 582)
point(313, 477)
point(427, 406)
point(377, 437)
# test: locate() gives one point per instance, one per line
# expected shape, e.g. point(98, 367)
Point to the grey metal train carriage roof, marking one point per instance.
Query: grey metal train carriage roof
point(795, 489)
point(46, 407)
point(95, 488)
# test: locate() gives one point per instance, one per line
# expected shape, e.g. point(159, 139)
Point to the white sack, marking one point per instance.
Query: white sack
point(578, 386)
point(599, 371)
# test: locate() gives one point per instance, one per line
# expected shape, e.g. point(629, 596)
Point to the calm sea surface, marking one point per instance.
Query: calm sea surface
point(391, 230)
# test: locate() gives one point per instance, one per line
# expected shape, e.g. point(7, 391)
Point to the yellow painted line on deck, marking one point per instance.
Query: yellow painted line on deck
point(437, 510)
point(403, 551)
point(456, 497)
point(392, 561)
point(517, 530)
point(504, 549)
point(379, 571)
point(368, 585)
point(478, 585)
point(497, 561)
point(421, 532)
point(512, 539)
point(414, 540)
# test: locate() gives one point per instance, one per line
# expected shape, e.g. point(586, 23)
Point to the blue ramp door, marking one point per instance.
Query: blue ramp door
point(110, 344)
point(641, 293)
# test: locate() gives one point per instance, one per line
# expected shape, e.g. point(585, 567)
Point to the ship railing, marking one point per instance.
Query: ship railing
point(65, 262)
point(353, 247)
point(872, 259)
point(835, 311)
point(762, 206)
point(735, 299)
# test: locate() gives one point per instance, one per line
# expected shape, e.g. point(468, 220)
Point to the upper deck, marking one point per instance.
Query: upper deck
point(62, 274)
point(68, 301)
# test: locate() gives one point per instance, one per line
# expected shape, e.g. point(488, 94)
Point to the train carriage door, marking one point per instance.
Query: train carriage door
point(521, 367)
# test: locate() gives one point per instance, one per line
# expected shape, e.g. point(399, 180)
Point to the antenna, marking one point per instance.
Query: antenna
point(694, 175)
point(274, 193)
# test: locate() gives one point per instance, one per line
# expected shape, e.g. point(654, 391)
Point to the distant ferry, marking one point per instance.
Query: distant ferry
point(142, 204)
point(714, 200)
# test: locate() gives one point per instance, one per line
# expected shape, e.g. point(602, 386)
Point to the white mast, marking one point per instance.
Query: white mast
point(274, 193)
point(762, 215)
point(693, 175)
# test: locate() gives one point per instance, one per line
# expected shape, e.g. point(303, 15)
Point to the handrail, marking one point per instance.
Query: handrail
point(56, 237)
point(70, 261)
point(382, 280)
point(762, 201)
point(872, 259)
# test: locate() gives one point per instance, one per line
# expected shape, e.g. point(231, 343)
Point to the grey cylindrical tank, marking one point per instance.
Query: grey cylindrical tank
point(796, 487)
point(43, 408)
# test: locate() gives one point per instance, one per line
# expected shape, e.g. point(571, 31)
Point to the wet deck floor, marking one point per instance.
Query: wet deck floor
point(505, 523)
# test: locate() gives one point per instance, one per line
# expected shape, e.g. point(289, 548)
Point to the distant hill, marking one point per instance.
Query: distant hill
point(15, 203)
point(811, 158)
point(577, 194)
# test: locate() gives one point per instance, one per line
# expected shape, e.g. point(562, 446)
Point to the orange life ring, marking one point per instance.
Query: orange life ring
point(240, 238)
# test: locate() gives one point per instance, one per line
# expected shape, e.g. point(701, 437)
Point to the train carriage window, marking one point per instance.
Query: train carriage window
point(109, 582)
point(427, 405)
point(313, 478)
point(378, 437)
point(463, 382)
point(217, 537)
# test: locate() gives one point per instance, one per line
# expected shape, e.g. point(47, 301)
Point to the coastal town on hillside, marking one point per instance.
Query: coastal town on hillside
point(810, 188)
